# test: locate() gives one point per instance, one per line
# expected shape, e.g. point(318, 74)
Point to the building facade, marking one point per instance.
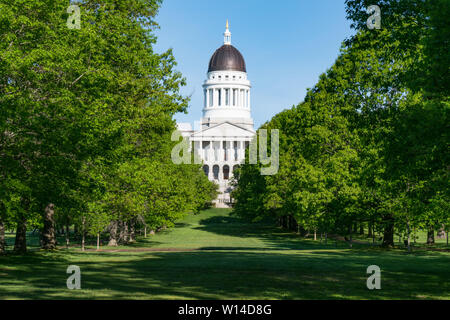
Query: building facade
point(226, 127)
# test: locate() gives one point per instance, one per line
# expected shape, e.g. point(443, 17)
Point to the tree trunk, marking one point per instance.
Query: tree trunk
point(98, 241)
point(388, 236)
point(113, 234)
point(369, 234)
point(83, 233)
point(123, 238)
point(20, 245)
point(132, 235)
point(409, 238)
point(351, 236)
point(48, 233)
point(326, 238)
point(67, 235)
point(2, 229)
point(83, 239)
point(361, 229)
point(2, 236)
point(145, 232)
point(430, 236)
point(315, 235)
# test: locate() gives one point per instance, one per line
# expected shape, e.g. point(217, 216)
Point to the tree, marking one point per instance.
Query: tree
point(79, 109)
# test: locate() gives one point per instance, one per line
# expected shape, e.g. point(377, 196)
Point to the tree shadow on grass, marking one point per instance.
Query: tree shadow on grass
point(273, 237)
point(223, 275)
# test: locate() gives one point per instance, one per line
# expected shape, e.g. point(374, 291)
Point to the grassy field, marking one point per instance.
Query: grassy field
point(217, 256)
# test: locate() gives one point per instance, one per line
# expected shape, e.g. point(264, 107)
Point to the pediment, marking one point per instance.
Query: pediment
point(224, 130)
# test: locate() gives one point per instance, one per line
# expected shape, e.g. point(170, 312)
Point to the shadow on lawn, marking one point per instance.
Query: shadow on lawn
point(274, 238)
point(225, 275)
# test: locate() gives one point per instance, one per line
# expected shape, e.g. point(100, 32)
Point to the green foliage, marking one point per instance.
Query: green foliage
point(86, 115)
point(369, 144)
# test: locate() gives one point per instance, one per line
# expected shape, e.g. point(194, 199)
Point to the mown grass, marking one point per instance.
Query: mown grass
point(227, 258)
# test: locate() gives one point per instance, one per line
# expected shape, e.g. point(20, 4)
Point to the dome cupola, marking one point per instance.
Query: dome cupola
point(227, 88)
point(227, 57)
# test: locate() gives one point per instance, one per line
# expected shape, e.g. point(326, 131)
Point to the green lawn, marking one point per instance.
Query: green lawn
point(222, 257)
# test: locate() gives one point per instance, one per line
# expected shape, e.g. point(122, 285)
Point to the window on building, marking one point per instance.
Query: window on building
point(219, 95)
point(226, 172)
point(216, 170)
point(234, 97)
point(206, 170)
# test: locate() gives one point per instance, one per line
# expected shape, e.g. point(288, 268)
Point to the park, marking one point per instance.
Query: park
point(215, 255)
point(319, 168)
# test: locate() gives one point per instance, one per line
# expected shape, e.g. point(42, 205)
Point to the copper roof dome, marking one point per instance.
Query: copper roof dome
point(227, 58)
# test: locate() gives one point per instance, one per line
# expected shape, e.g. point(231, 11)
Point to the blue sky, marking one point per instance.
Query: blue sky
point(286, 45)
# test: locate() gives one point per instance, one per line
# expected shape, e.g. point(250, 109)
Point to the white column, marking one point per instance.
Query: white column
point(200, 150)
point(207, 98)
point(249, 104)
point(242, 150)
point(211, 152)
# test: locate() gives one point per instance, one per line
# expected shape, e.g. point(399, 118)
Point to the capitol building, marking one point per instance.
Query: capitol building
point(226, 127)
